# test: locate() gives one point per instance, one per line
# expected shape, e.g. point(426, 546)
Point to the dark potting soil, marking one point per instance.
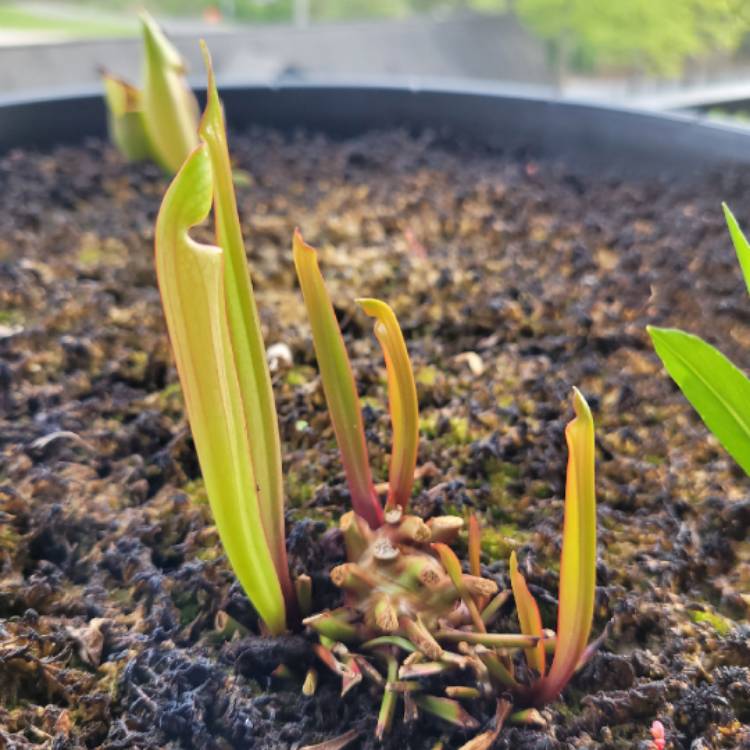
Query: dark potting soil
point(513, 281)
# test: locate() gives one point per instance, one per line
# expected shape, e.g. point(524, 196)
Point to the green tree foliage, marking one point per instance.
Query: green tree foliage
point(341, 10)
point(320, 10)
point(652, 35)
point(481, 6)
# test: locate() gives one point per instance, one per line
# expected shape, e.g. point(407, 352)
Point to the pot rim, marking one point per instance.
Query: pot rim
point(516, 118)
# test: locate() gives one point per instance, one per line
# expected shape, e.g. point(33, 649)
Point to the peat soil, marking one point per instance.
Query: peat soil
point(513, 280)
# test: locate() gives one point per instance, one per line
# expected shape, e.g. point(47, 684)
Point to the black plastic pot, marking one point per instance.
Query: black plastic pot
point(585, 136)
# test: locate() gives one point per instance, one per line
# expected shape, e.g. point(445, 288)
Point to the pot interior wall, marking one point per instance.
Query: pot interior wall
point(587, 137)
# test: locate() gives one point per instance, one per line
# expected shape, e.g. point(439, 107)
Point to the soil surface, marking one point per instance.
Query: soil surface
point(513, 281)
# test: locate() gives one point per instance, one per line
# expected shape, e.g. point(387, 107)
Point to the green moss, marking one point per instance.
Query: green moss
point(120, 596)
point(209, 554)
point(426, 376)
point(173, 389)
point(298, 491)
point(163, 399)
point(570, 708)
point(299, 376)
point(541, 489)
point(8, 538)
point(451, 509)
point(196, 491)
point(90, 255)
point(11, 317)
point(507, 470)
point(499, 541)
point(135, 365)
point(100, 252)
point(188, 606)
point(570, 711)
point(242, 178)
point(428, 426)
point(460, 430)
point(458, 433)
point(312, 514)
point(500, 474)
point(721, 624)
point(654, 460)
point(372, 402)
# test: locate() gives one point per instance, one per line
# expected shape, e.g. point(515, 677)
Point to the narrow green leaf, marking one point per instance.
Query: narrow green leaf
point(191, 282)
point(528, 717)
point(451, 563)
point(368, 670)
point(390, 640)
point(170, 110)
point(447, 710)
point(491, 610)
point(127, 129)
point(528, 615)
point(357, 534)
point(352, 677)
point(422, 669)
point(402, 399)
point(337, 743)
point(463, 692)
point(475, 546)
point(388, 703)
point(348, 670)
point(498, 671)
point(452, 567)
point(338, 383)
point(303, 594)
point(491, 640)
point(310, 684)
point(718, 390)
point(421, 637)
point(578, 559)
point(741, 245)
point(247, 338)
point(487, 740)
point(333, 624)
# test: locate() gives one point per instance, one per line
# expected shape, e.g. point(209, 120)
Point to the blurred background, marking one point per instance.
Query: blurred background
point(667, 54)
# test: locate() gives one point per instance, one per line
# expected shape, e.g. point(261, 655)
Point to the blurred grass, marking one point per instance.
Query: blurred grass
point(15, 17)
